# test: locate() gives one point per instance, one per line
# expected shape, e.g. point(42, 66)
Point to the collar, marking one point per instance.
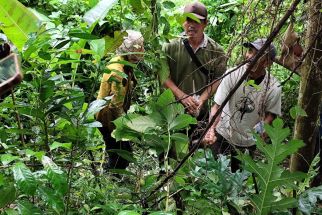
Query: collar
point(203, 44)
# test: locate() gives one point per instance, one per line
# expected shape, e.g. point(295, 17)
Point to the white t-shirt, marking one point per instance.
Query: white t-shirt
point(246, 107)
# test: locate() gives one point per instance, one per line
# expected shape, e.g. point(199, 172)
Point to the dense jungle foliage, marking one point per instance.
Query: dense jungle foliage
point(52, 154)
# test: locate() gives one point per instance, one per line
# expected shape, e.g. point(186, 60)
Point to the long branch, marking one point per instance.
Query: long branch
point(260, 52)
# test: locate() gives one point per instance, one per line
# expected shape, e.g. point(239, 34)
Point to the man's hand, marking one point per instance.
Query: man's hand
point(190, 104)
point(210, 138)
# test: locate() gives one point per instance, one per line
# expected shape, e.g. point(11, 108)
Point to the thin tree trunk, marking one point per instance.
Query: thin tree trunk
point(310, 91)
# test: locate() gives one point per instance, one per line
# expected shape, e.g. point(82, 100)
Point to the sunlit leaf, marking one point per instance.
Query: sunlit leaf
point(128, 213)
point(56, 145)
point(141, 124)
point(308, 201)
point(16, 21)
point(55, 175)
point(8, 158)
point(24, 179)
point(99, 11)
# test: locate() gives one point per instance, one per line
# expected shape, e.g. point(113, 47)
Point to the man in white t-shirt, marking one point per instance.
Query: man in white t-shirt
point(256, 101)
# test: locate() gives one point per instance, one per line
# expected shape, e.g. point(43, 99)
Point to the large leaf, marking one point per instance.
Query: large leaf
point(99, 11)
point(8, 158)
point(270, 175)
point(52, 199)
point(24, 179)
point(308, 200)
point(141, 124)
point(127, 212)
point(16, 21)
point(97, 105)
point(27, 208)
point(98, 47)
point(55, 175)
point(8, 194)
point(182, 121)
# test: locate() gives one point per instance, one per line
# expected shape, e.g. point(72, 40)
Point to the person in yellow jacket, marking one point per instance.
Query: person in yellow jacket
point(114, 84)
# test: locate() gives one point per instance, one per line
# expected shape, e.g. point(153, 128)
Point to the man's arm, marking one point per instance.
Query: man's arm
point(188, 101)
point(210, 137)
point(208, 92)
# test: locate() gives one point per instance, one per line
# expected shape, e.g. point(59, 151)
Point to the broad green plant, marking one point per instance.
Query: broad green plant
point(17, 22)
point(269, 173)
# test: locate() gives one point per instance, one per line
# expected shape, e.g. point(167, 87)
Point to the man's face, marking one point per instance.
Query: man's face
point(135, 58)
point(193, 28)
point(261, 63)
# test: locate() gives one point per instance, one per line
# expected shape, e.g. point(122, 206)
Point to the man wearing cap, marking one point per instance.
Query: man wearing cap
point(186, 80)
point(250, 106)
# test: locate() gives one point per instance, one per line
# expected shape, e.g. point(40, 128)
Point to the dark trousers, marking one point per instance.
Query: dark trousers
point(196, 130)
point(114, 160)
point(222, 146)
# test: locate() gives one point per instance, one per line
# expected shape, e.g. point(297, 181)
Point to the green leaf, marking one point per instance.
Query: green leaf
point(283, 204)
point(166, 30)
point(99, 11)
point(168, 4)
point(308, 200)
point(182, 18)
point(16, 21)
point(56, 145)
point(121, 171)
point(97, 105)
point(82, 35)
point(55, 175)
point(124, 154)
point(166, 98)
point(38, 155)
point(24, 179)
point(164, 71)
point(161, 213)
point(180, 180)
point(127, 212)
point(297, 111)
point(141, 124)
point(8, 194)
point(155, 142)
point(182, 121)
point(112, 43)
point(10, 211)
point(181, 143)
point(31, 112)
point(8, 158)
point(98, 46)
point(94, 124)
point(270, 176)
point(150, 181)
point(27, 208)
point(44, 55)
point(52, 199)
point(47, 90)
point(137, 6)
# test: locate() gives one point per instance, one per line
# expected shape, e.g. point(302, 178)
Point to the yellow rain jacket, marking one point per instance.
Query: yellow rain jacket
point(118, 86)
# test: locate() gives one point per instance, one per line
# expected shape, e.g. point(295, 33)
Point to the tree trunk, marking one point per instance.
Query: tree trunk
point(310, 90)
